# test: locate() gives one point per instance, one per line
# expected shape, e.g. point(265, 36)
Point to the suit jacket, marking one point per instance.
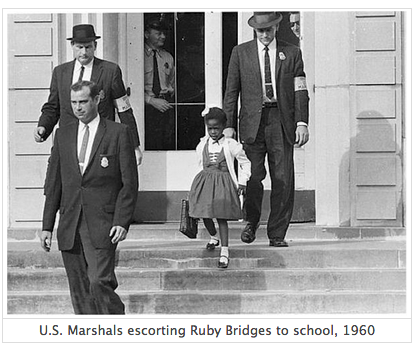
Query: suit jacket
point(107, 76)
point(244, 79)
point(107, 191)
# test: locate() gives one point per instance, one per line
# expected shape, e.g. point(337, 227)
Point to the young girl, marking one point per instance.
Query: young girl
point(215, 190)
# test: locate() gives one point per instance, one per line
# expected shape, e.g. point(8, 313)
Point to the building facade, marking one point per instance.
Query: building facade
point(351, 173)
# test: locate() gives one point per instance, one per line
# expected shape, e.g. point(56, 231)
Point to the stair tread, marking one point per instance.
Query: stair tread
point(184, 245)
point(213, 292)
point(210, 270)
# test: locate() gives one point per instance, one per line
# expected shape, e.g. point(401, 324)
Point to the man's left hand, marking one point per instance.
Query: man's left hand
point(46, 240)
point(138, 155)
point(302, 135)
point(118, 233)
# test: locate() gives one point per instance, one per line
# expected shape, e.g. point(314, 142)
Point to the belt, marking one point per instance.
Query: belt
point(270, 104)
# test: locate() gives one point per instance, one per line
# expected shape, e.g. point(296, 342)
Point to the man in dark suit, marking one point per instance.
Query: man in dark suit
point(92, 180)
point(268, 75)
point(85, 66)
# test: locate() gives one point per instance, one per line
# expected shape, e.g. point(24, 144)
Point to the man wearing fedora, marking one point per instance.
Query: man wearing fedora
point(86, 67)
point(268, 76)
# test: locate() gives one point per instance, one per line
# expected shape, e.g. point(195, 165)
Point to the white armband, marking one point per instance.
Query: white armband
point(123, 104)
point(300, 83)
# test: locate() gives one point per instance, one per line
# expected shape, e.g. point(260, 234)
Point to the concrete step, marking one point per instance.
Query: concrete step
point(222, 280)
point(180, 276)
point(296, 231)
point(231, 302)
point(193, 254)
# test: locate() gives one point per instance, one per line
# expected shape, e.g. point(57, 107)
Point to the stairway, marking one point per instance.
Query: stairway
point(160, 271)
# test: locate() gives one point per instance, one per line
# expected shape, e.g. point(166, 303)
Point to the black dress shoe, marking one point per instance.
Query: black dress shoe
point(278, 243)
point(248, 234)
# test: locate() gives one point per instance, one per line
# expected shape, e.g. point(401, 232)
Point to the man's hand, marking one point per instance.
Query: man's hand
point(160, 104)
point(138, 155)
point(118, 233)
point(229, 132)
point(46, 240)
point(302, 135)
point(38, 133)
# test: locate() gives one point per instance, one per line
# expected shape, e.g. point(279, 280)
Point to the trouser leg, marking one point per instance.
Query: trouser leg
point(76, 268)
point(256, 153)
point(281, 169)
point(101, 273)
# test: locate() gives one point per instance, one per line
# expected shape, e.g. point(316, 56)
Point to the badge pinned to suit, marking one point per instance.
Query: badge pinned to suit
point(104, 162)
point(282, 56)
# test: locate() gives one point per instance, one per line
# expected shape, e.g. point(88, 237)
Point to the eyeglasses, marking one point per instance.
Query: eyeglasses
point(292, 24)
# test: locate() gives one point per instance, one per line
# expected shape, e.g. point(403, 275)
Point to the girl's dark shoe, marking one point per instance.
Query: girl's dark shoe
point(223, 262)
point(211, 246)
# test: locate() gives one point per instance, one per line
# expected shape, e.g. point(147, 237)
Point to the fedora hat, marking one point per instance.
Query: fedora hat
point(83, 33)
point(261, 20)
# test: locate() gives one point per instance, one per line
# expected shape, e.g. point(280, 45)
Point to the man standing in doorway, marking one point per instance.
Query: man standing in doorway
point(159, 89)
point(92, 180)
point(87, 67)
point(294, 21)
point(268, 75)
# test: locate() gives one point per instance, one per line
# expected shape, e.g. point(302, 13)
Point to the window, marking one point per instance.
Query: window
point(181, 127)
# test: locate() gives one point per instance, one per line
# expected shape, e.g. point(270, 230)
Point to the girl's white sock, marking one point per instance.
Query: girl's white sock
point(214, 239)
point(225, 251)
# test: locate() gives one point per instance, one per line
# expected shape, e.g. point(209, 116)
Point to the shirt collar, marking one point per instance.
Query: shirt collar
point(77, 65)
point(219, 141)
point(92, 124)
point(149, 50)
point(271, 46)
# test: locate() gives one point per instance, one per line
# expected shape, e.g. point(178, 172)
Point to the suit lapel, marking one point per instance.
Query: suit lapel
point(70, 136)
point(254, 61)
point(101, 130)
point(68, 79)
point(278, 60)
point(97, 70)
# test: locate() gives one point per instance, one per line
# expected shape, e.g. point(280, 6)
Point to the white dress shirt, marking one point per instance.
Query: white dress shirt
point(272, 54)
point(87, 71)
point(93, 125)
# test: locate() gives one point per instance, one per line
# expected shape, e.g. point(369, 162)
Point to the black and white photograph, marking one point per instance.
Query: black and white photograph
point(207, 163)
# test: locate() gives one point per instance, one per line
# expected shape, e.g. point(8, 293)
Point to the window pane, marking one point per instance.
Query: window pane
point(190, 56)
point(229, 41)
point(190, 127)
point(181, 127)
point(159, 124)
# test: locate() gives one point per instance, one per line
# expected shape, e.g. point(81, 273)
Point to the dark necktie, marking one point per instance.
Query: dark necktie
point(156, 86)
point(80, 78)
point(267, 74)
point(82, 155)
